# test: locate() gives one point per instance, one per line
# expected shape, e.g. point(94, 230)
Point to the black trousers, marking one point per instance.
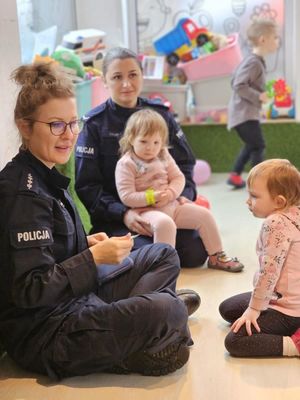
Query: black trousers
point(273, 324)
point(135, 311)
point(251, 134)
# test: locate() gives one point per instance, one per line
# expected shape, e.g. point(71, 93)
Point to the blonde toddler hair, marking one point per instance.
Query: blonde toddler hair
point(260, 27)
point(282, 178)
point(143, 123)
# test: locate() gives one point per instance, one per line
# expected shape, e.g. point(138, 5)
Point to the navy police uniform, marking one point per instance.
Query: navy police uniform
point(57, 316)
point(97, 153)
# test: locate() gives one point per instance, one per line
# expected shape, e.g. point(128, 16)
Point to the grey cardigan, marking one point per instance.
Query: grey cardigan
point(248, 82)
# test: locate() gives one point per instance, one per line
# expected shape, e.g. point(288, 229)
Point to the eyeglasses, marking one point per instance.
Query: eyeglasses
point(58, 128)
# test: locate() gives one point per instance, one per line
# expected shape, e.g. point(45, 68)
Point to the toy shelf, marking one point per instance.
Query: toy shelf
point(89, 94)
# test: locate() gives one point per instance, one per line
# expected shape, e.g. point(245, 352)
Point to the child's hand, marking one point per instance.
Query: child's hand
point(159, 195)
point(264, 98)
point(248, 318)
point(163, 199)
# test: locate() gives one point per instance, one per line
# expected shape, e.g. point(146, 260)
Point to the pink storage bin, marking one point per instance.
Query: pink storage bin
point(221, 62)
point(99, 92)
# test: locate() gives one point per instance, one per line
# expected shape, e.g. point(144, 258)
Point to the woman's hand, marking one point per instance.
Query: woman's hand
point(248, 318)
point(112, 250)
point(136, 223)
point(95, 238)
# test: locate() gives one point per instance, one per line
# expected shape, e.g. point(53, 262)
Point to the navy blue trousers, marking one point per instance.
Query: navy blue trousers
point(135, 311)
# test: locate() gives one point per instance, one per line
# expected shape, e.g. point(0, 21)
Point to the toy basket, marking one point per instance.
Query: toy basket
point(83, 97)
point(221, 62)
point(99, 92)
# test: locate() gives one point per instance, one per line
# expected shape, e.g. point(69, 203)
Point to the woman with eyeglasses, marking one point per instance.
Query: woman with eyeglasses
point(71, 304)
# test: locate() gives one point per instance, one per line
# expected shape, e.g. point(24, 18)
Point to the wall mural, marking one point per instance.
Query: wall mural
point(155, 18)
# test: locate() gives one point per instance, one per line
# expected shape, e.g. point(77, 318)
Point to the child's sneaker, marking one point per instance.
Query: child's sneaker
point(236, 181)
point(224, 263)
point(296, 339)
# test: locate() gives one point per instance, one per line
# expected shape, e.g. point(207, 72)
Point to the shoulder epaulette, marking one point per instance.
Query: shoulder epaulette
point(95, 111)
point(29, 181)
point(154, 104)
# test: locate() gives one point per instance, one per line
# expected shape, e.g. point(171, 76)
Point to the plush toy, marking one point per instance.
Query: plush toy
point(219, 41)
point(69, 59)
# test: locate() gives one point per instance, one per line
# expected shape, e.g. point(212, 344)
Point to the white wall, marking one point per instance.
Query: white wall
point(10, 59)
point(107, 18)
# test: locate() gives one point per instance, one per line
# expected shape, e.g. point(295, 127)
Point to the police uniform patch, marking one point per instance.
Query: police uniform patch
point(31, 237)
point(29, 182)
point(115, 134)
point(180, 134)
point(85, 151)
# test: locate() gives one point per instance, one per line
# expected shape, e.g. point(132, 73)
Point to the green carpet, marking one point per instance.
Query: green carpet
point(219, 147)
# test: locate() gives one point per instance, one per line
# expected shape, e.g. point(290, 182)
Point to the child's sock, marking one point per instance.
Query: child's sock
point(289, 347)
point(296, 339)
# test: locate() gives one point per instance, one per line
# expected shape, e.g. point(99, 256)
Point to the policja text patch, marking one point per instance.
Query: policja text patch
point(37, 236)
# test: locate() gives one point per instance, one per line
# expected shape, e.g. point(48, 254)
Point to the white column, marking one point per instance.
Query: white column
point(296, 56)
point(129, 16)
point(10, 56)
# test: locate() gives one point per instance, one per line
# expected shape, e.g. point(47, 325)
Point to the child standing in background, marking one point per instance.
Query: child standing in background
point(149, 180)
point(249, 92)
point(265, 322)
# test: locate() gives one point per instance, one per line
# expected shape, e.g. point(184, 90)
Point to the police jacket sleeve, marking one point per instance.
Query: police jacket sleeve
point(90, 183)
point(45, 268)
point(183, 155)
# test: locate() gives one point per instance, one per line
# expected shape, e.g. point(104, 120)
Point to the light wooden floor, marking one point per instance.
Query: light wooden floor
point(211, 374)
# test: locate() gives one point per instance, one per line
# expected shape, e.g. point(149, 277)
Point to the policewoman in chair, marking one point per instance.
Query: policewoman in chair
point(98, 151)
point(71, 304)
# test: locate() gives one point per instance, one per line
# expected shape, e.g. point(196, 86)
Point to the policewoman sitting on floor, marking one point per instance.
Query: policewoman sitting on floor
point(71, 304)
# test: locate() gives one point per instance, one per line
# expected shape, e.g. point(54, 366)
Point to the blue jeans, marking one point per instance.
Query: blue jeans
point(251, 134)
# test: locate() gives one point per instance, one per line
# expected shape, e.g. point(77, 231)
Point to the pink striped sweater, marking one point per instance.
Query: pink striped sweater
point(277, 283)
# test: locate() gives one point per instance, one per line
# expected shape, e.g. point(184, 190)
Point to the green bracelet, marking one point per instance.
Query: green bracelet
point(150, 198)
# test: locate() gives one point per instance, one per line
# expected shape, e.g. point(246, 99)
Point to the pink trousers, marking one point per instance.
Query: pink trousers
point(165, 222)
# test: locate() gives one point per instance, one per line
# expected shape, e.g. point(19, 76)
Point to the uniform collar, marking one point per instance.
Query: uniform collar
point(124, 110)
point(51, 175)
